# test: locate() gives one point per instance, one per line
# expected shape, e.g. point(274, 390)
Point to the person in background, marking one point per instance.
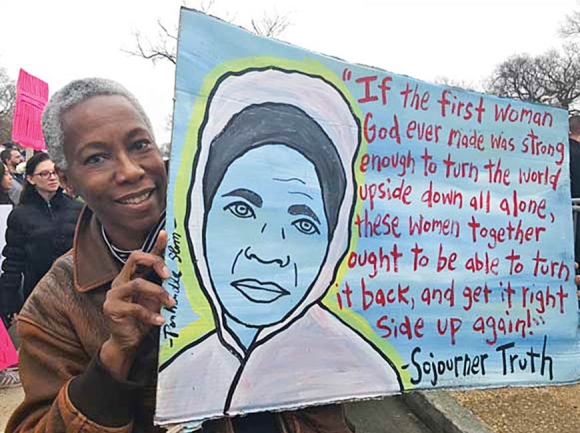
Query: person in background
point(39, 230)
point(574, 140)
point(89, 332)
point(12, 157)
point(9, 377)
point(10, 145)
point(6, 182)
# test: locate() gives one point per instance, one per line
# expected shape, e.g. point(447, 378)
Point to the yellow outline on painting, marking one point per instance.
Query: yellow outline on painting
point(205, 323)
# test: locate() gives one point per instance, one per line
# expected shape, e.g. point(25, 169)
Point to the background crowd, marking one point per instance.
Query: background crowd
point(39, 229)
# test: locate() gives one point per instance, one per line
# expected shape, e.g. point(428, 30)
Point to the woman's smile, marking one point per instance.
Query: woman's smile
point(136, 198)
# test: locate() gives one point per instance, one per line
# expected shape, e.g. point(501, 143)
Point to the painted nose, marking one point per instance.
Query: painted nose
point(267, 248)
point(250, 253)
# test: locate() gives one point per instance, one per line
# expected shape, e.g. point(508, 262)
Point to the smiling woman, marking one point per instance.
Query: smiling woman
point(114, 164)
point(96, 310)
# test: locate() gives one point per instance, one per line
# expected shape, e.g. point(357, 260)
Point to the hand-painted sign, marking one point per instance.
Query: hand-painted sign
point(31, 97)
point(341, 232)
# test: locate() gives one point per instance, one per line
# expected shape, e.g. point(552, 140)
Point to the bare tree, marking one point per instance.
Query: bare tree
point(164, 48)
point(517, 77)
point(270, 26)
point(462, 84)
point(7, 101)
point(570, 28)
point(165, 45)
point(552, 77)
point(562, 72)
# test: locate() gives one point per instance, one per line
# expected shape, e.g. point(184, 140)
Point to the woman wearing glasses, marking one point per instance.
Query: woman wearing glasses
point(39, 230)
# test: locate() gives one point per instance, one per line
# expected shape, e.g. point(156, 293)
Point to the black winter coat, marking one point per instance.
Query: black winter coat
point(38, 232)
point(575, 168)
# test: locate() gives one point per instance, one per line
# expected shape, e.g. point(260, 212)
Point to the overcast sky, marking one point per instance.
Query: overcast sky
point(60, 40)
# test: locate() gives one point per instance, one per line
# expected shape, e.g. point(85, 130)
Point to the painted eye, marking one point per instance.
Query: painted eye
point(306, 226)
point(240, 210)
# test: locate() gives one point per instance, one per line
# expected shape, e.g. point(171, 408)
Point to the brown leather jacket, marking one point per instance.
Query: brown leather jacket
point(62, 329)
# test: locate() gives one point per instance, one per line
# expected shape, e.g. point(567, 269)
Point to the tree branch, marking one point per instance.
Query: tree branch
point(270, 26)
point(151, 52)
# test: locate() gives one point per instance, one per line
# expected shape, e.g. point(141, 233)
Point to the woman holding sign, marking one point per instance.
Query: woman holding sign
point(89, 331)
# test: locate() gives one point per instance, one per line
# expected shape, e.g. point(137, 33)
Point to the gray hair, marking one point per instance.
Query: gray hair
point(73, 93)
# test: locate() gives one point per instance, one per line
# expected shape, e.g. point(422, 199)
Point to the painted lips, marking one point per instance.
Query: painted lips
point(257, 291)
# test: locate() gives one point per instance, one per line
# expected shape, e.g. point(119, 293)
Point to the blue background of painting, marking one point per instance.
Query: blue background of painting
point(206, 42)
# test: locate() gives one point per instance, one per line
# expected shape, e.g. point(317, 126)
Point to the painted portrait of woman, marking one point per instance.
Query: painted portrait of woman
point(271, 199)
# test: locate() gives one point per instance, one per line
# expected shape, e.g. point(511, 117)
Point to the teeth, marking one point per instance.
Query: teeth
point(136, 200)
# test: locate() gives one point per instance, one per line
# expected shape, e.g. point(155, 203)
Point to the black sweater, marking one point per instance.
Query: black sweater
point(38, 232)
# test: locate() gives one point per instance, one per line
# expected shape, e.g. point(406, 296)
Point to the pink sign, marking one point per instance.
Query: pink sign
point(31, 97)
point(8, 355)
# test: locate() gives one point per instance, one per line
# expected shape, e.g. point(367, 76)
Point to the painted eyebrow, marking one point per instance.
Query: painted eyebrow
point(250, 196)
point(301, 193)
point(302, 209)
point(292, 179)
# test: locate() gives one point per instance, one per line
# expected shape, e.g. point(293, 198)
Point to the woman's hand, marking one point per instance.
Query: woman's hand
point(132, 307)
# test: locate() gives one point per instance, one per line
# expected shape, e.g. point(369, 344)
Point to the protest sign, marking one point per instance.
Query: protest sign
point(341, 232)
point(8, 354)
point(31, 97)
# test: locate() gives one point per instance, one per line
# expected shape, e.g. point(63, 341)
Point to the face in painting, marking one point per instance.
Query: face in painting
point(115, 166)
point(266, 234)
